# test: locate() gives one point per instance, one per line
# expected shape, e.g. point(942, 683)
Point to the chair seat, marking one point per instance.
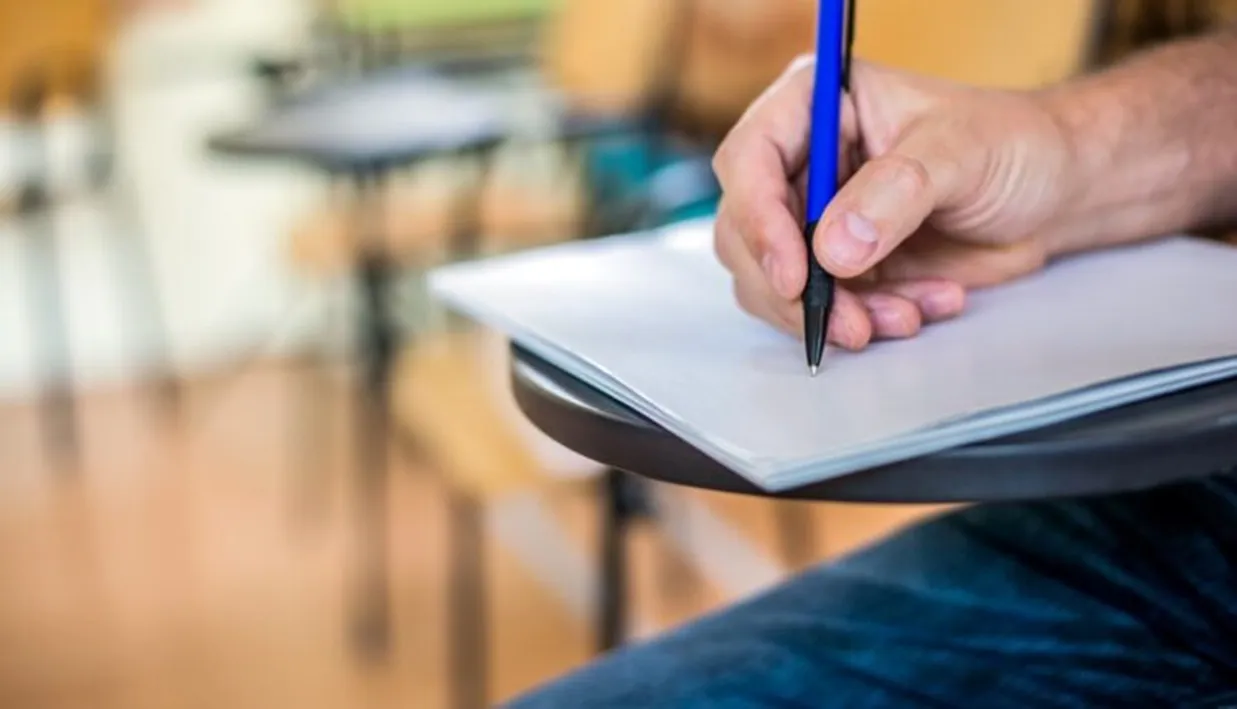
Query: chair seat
point(451, 395)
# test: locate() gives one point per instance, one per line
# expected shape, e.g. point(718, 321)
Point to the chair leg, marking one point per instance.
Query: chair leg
point(43, 274)
point(136, 276)
point(372, 628)
point(138, 281)
point(49, 324)
point(310, 440)
point(372, 620)
point(469, 627)
point(615, 514)
point(796, 531)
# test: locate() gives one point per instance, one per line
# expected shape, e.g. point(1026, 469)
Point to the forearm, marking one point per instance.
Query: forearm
point(1154, 145)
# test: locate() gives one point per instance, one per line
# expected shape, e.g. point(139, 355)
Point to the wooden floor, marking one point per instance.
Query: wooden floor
point(193, 562)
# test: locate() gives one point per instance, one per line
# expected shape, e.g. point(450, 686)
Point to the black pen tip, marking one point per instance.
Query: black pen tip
point(816, 320)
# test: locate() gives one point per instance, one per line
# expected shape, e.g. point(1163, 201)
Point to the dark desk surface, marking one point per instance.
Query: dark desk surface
point(1185, 435)
point(395, 118)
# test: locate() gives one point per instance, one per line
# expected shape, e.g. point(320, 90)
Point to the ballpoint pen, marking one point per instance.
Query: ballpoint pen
point(834, 46)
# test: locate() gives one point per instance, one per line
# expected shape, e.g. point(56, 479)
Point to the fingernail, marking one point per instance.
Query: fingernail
point(940, 304)
point(888, 319)
point(851, 241)
point(772, 271)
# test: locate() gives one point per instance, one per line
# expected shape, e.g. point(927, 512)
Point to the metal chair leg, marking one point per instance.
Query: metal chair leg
point(311, 435)
point(796, 531)
point(372, 623)
point(136, 277)
point(615, 515)
point(43, 274)
point(469, 626)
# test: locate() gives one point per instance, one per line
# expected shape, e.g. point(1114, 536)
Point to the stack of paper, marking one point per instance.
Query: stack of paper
point(650, 320)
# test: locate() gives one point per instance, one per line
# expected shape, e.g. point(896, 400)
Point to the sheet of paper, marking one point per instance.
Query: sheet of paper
point(650, 319)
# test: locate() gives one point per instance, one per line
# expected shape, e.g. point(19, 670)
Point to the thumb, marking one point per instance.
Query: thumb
point(886, 201)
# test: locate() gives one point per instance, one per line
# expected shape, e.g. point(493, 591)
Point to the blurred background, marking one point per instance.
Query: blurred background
point(244, 461)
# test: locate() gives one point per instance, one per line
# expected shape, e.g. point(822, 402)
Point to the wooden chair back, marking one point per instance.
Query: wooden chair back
point(700, 61)
point(1131, 25)
point(61, 43)
point(1002, 43)
point(717, 56)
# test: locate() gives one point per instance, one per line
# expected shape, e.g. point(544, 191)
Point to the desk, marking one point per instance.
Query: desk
point(1160, 441)
point(1184, 435)
point(361, 132)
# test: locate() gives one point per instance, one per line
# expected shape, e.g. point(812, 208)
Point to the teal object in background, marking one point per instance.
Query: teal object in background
point(421, 14)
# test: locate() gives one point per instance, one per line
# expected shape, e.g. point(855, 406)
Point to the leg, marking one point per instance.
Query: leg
point(1120, 601)
point(137, 280)
point(43, 273)
point(378, 343)
point(796, 532)
point(136, 277)
point(310, 440)
point(615, 515)
point(470, 668)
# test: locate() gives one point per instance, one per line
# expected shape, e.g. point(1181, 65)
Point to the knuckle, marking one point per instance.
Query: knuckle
point(745, 296)
point(801, 63)
point(723, 157)
point(724, 247)
point(908, 174)
point(720, 158)
point(741, 296)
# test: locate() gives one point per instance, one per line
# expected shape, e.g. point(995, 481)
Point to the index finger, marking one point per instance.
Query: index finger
point(755, 166)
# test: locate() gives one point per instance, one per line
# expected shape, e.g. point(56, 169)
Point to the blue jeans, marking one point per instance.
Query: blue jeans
point(1122, 601)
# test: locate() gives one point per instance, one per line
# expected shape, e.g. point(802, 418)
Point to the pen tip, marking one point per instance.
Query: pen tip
point(814, 369)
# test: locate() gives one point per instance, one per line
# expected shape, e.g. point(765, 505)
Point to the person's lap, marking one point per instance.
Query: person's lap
point(1127, 600)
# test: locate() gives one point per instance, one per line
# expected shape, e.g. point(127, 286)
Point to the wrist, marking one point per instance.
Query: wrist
point(1151, 146)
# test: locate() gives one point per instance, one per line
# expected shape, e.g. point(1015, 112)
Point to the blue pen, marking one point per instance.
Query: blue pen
point(834, 41)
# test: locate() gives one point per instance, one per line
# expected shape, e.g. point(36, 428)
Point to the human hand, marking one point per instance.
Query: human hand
point(946, 188)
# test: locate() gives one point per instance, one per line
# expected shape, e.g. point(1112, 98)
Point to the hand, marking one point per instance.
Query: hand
point(946, 188)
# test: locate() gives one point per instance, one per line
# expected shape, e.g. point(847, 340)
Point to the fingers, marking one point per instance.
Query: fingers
point(971, 265)
point(885, 202)
point(900, 310)
point(755, 166)
point(892, 317)
point(936, 299)
point(850, 325)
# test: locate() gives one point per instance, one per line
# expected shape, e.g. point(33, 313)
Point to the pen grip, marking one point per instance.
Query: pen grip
point(820, 283)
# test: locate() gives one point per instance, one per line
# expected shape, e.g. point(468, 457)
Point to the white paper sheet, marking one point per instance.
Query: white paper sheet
point(650, 319)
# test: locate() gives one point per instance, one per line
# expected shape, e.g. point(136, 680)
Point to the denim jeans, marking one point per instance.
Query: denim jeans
point(1121, 601)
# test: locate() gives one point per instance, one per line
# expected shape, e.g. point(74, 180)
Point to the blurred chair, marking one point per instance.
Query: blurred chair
point(1001, 43)
point(485, 214)
point(670, 68)
point(52, 63)
point(1130, 25)
point(451, 396)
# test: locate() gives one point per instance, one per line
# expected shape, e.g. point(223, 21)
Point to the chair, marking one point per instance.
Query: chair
point(52, 59)
point(1000, 43)
point(1130, 25)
